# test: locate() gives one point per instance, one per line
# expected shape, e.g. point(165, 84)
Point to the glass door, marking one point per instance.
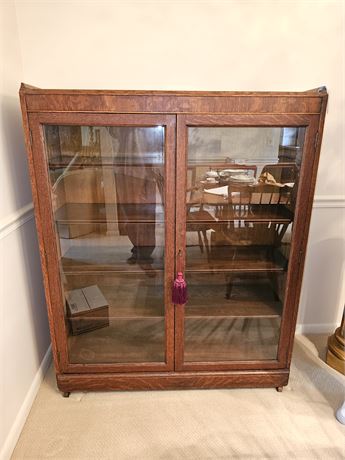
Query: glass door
point(236, 212)
point(108, 177)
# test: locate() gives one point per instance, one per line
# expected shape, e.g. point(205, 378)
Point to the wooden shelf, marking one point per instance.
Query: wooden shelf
point(232, 296)
point(221, 163)
point(99, 252)
point(235, 259)
point(76, 213)
point(96, 259)
point(100, 161)
point(236, 309)
point(73, 266)
point(256, 213)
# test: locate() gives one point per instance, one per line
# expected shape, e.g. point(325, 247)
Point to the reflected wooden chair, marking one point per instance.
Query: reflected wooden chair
point(260, 214)
point(199, 220)
point(255, 217)
point(282, 172)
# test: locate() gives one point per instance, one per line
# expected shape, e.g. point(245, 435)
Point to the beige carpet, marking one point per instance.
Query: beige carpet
point(194, 424)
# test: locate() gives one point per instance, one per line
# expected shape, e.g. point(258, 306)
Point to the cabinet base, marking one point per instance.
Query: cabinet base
point(172, 380)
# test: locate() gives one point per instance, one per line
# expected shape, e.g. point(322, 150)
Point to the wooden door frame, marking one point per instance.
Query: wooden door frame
point(47, 237)
point(313, 123)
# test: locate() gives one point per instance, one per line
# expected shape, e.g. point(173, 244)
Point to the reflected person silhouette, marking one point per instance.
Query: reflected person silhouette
point(138, 171)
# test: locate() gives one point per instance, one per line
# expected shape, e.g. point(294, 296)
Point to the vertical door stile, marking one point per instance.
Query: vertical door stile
point(181, 185)
point(170, 232)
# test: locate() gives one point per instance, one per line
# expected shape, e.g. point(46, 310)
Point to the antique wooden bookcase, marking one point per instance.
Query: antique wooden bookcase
point(131, 187)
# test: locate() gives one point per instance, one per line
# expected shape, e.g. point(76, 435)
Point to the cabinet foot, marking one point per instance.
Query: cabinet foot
point(279, 389)
point(66, 394)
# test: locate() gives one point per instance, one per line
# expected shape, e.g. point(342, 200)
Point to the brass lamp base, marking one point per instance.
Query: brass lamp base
point(336, 351)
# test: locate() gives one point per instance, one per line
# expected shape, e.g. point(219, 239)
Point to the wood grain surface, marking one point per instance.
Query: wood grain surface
point(238, 339)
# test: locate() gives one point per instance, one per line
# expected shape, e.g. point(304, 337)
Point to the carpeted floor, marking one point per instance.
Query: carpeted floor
point(194, 424)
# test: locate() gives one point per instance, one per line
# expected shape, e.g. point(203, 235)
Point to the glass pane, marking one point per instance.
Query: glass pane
point(107, 186)
point(90, 247)
point(122, 341)
point(230, 339)
point(241, 194)
point(233, 315)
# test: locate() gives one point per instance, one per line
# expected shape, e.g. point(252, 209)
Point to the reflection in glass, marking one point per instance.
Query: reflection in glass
point(233, 315)
point(95, 250)
point(130, 295)
point(107, 184)
point(241, 196)
point(123, 341)
point(231, 339)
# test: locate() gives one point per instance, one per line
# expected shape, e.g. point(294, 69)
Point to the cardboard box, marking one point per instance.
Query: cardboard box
point(87, 309)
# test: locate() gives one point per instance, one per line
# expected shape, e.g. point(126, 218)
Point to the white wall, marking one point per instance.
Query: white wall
point(24, 334)
point(197, 45)
point(323, 290)
point(210, 45)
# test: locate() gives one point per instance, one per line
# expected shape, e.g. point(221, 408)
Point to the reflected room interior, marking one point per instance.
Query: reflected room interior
point(107, 185)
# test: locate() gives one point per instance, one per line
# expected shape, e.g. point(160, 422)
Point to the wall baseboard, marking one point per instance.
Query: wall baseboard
point(13, 435)
point(322, 328)
point(16, 220)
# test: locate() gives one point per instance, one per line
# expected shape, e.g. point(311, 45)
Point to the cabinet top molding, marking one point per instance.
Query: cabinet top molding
point(137, 101)
point(315, 92)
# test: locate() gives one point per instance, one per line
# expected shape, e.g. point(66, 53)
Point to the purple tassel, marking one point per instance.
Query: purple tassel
point(179, 293)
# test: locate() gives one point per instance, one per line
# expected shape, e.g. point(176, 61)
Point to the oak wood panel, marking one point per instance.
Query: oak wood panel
point(170, 101)
point(299, 240)
point(103, 119)
point(169, 268)
point(192, 109)
point(180, 242)
point(310, 173)
point(171, 381)
point(35, 179)
point(171, 104)
point(47, 240)
point(282, 119)
point(26, 88)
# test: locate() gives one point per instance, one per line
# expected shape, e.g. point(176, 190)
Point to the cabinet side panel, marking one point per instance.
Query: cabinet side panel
point(308, 204)
point(49, 244)
point(39, 226)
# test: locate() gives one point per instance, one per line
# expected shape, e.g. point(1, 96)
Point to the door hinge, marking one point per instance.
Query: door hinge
point(30, 133)
point(316, 140)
